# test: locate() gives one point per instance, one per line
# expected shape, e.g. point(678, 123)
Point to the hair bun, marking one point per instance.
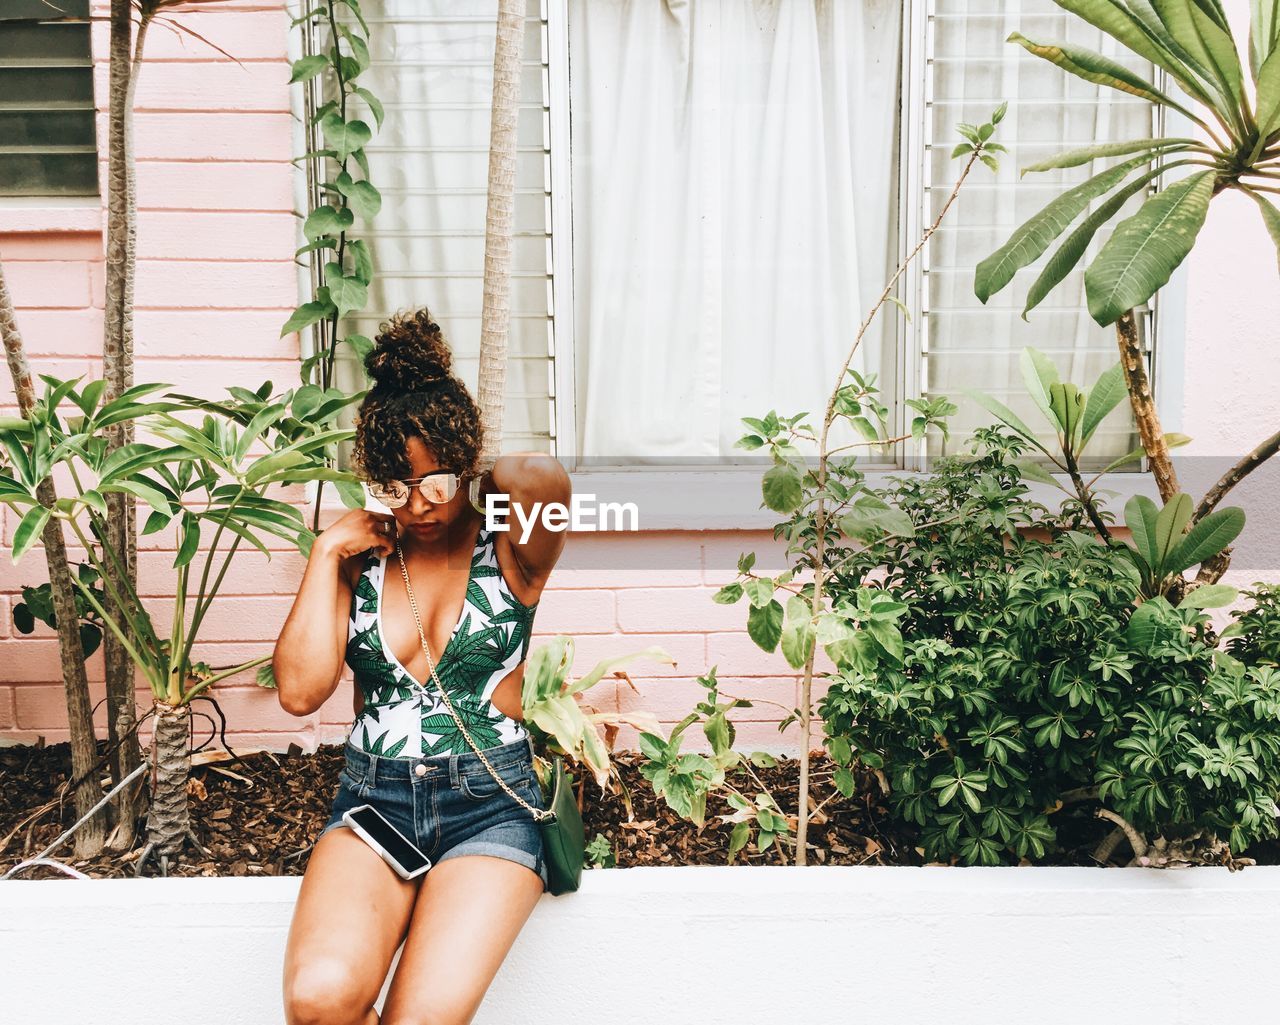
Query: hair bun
point(409, 353)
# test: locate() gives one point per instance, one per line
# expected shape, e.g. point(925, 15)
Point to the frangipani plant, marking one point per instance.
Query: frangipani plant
point(1237, 148)
point(204, 483)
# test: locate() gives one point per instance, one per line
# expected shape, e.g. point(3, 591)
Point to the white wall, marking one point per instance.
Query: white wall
point(708, 945)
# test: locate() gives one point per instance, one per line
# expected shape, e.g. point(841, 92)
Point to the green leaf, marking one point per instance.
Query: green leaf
point(1140, 516)
point(190, 540)
point(1086, 154)
point(1030, 240)
point(327, 220)
point(344, 136)
point(375, 105)
point(363, 271)
point(361, 196)
point(1064, 260)
point(1095, 68)
point(1264, 31)
point(1107, 393)
point(1270, 216)
point(308, 67)
point(1206, 538)
point(1146, 248)
point(1038, 374)
point(797, 633)
point(782, 489)
point(306, 315)
point(1209, 596)
point(29, 530)
point(1206, 43)
point(1006, 415)
point(348, 294)
point(764, 625)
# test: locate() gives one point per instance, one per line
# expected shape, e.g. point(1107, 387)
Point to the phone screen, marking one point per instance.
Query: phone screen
point(390, 839)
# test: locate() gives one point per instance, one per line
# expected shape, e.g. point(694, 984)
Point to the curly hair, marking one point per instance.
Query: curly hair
point(414, 393)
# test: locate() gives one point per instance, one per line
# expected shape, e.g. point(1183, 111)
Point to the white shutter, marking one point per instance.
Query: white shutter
point(433, 71)
point(969, 70)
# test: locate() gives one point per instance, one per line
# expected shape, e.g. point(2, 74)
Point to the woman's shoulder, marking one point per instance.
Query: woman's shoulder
point(353, 567)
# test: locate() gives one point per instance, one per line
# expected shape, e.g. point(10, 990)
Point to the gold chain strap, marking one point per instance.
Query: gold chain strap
point(538, 813)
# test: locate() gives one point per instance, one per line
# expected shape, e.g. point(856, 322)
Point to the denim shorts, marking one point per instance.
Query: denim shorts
point(449, 804)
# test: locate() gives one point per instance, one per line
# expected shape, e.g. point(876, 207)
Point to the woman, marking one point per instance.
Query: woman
point(476, 593)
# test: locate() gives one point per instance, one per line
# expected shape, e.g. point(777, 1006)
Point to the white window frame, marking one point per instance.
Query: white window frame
point(729, 499)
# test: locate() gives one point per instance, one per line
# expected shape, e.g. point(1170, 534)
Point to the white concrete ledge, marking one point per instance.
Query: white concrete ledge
point(700, 944)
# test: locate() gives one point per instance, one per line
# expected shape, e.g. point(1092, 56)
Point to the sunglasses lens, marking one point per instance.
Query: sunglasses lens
point(439, 487)
point(393, 494)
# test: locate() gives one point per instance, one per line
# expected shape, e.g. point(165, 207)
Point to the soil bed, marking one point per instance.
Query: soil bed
point(264, 819)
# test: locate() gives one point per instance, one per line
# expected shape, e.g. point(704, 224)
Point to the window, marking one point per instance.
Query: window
point(47, 141)
point(712, 194)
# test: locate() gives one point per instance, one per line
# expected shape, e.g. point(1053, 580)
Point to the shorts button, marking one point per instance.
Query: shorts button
point(420, 769)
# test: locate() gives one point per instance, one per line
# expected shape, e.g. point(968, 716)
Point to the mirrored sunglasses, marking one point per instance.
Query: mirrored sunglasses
point(436, 488)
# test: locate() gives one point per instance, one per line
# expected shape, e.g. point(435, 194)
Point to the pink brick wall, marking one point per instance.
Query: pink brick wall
point(215, 282)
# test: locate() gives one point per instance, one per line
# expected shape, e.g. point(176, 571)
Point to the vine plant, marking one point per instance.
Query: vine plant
point(828, 501)
point(342, 285)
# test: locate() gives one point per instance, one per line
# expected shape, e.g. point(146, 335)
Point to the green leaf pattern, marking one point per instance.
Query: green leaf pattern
point(398, 720)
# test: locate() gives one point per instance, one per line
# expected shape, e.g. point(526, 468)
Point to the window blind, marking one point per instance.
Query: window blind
point(432, 69)
point(970, 70)
point(47, 141)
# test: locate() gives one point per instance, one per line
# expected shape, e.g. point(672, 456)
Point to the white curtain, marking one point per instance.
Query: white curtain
point(734, 212)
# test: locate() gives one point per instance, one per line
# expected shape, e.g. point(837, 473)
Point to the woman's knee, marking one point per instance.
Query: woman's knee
point(328, 993)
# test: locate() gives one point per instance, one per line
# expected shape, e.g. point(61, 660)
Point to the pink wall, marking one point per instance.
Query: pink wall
point(215, 194)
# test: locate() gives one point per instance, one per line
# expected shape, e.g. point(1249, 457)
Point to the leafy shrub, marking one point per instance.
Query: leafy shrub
point(1025, 684)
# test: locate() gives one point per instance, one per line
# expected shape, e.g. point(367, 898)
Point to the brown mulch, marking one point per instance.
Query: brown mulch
point(260, 815)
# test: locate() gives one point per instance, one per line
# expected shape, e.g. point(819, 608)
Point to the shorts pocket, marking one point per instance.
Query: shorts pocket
point(481, 786)
point(352, 781)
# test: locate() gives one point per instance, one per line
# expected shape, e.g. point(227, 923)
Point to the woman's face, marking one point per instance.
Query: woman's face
point(419, 518)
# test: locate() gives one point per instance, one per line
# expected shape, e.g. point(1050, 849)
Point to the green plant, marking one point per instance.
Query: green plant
point(1030, 686)
point(1164, 546)
point(37, 604)
point(1190, 42)
point(338, 198)
point(600, 852)
point(684, 780)
point(1073, 414)
point(1254, 637)
point(206, 485)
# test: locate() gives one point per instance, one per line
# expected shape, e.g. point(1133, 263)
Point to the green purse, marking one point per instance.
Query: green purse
point(563, 838)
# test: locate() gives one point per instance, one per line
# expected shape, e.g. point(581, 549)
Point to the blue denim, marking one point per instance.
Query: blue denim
point(455, 806)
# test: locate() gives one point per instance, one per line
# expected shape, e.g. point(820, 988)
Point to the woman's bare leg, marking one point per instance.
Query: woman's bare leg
point(467, 915)
point(350, 919)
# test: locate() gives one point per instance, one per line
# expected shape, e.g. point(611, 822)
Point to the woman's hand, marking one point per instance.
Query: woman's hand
point(357, 531)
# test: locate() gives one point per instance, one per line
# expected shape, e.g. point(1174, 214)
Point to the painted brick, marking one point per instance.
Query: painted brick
point(43, 706)
point(736, 654)
point(749, 736)
point(36, 660)
point(687, 649)
point(576, 612)
point(671, 699)
point(199, 334)
point(228, 186)
point(246, 742)
point(230, 618)
point(48, 284)
point(250, 572)
point(245, 35)
point(7, 715)
point(640, 559)
point(340, 708)
point(172, 284)
point(256, 708)
point(228, 236)
point(210, 378)
point(678, 609)
point(66, 333)
point(221, 136)
point(61, 245)
point(6, 621)
point(721, 550)
point(98, 285)
point(216, 85)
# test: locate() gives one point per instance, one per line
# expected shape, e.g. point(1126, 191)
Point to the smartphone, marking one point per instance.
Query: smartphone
point(395, 849)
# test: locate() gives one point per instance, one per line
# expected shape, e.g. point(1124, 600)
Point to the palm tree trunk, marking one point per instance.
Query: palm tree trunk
point(84, 742)
point(1133, 363)
point(495, 321)
point(117, 369)
point(169, 818)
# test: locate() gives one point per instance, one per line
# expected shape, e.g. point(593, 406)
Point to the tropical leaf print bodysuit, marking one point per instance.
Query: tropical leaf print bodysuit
point(490, 639)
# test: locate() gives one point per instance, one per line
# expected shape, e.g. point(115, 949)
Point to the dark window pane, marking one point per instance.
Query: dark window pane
point(27, 42)
point(45, 129)
point(24, 9)
point(48, 174)
point(45, 87)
